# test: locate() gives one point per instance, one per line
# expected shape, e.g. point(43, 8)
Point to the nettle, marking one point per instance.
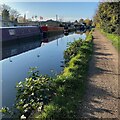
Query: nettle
point(34, 93)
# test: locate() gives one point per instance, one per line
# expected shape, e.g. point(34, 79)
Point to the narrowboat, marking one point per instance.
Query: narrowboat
point(66, 31)
point(51, 30)
point(19, 32)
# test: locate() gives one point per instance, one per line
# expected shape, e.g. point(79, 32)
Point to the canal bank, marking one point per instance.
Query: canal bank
point(47, 57)
point(69, 85)
point(47, 87)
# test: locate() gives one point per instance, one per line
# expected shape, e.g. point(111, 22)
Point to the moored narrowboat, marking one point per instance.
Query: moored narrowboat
point(51, 30)
point(19, 32)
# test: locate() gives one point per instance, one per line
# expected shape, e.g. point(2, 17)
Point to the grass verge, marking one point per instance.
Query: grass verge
point(115, 39)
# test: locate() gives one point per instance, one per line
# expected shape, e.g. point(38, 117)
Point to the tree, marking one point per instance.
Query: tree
point(81, 20)
point(14, 14)
point(5, 11)
point(5, 14)
point(8, 13)
point(5, 7)
point(76, 21)
point(88, 22)
point(108, 19)
point(36, 17)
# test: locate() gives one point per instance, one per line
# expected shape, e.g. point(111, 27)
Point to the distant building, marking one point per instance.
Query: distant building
point(20, 19)
point(50, 23)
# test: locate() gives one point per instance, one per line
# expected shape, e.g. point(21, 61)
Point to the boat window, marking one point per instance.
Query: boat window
point(12, 32)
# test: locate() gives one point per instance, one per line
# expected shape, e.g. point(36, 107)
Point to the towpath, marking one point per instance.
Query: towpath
point(101, 96)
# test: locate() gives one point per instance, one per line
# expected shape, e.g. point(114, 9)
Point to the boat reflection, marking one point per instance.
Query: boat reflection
point(79, 32)
point(18, 47)
point(51, 38)
point(12, 49)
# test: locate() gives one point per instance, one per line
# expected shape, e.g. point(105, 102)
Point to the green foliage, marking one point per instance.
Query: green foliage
point(72, 50)
point(88, 22)
point(49, 110)
point(34, 92)
point(81, 20)
point(4, 110)
point(8, 13)
point(108, 21)
point(107, 17)
point(5, 14)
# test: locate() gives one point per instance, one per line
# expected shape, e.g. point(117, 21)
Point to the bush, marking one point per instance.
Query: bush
point(34, 93)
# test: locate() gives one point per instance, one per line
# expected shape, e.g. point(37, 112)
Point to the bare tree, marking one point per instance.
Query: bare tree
point(4, 11)
point(14, 14)
point(5, 7)
point(8, 13)
point(5, 14)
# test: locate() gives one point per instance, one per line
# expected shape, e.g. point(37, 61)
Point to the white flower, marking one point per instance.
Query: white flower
point(64, 80)
point(23, 117)
point(20, 85)
point(39, 108)
point(26, 79)
point(25, 105)
point(20, 82)
point(38, 99)
point(31, 87)
point(25, 110)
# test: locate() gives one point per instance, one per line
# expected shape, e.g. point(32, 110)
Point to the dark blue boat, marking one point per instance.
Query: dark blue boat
point(19, 32)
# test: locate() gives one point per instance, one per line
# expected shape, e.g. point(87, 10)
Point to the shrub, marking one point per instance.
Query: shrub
point(33, 93)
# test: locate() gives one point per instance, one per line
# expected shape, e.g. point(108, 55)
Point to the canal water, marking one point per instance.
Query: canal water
point(45, 56)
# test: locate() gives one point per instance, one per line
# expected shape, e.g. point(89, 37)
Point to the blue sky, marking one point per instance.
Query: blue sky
point(68, 11)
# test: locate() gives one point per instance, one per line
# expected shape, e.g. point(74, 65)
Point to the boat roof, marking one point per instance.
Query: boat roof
point(17, 27)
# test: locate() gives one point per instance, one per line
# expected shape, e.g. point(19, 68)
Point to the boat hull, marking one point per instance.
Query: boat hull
point(14, 33)
point(51, 30)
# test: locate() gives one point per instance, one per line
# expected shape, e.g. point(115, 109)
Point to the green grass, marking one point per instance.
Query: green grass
point(114, 38)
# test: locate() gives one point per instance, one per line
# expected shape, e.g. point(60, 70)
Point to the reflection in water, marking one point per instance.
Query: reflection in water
point(47, 57)
point(15, 49)
point(20, 46)
point(49, 39)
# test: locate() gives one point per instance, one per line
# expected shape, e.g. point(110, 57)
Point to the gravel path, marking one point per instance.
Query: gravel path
point(101, 97)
